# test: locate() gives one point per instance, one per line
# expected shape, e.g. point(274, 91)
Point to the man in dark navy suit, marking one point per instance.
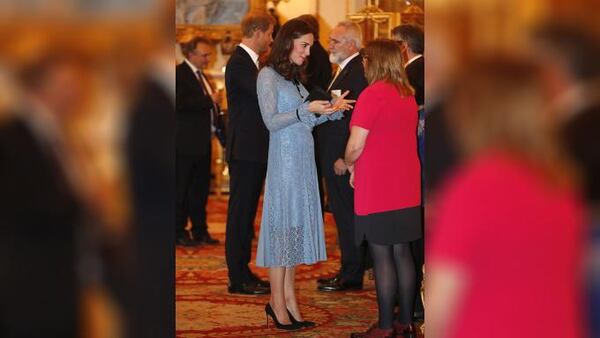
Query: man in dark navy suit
point(197, 111)
point(247, 148)
point(411, 39)
point(345, 42)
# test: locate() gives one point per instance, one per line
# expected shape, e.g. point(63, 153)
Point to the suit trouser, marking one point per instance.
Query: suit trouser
point(319, 172)
point(246, 179)
point(341, 202)
point(193, 185)
point(418, 247)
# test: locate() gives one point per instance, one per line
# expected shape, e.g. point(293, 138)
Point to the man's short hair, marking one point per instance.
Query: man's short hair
point(412, 35)
point(256, 22)
point(353, 32)
point(189, 46)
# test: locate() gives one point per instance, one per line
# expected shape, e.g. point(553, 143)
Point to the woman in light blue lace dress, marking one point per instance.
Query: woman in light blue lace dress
point(291, 231)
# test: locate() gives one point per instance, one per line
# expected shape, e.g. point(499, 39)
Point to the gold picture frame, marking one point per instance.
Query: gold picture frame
point(218, 32)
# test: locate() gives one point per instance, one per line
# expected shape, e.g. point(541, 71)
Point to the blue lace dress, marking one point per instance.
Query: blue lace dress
point(291, 231)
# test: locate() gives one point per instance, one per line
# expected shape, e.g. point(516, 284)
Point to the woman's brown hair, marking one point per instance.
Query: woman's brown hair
point(384, 63)
point(500, 104)
point(282, 47)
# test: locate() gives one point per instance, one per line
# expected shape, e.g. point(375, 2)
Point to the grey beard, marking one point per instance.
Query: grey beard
point(334, 58)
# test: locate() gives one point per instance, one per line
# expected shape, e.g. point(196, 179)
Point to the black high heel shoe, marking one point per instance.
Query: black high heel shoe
point(269, 312)
point(305, 323)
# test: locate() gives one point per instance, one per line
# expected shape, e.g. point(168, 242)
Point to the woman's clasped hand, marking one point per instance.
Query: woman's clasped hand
point(324, 107)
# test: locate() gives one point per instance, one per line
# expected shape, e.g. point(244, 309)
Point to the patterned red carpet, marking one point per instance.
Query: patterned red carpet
point(205, 309)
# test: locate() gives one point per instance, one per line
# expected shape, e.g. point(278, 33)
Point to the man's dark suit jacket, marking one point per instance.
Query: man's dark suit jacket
point(416, 72)
point(247, 135)
point(39, 218)
point(193, 110)
point(318, 68)
point(442, 154)
point(334, 135)
point(151, 164)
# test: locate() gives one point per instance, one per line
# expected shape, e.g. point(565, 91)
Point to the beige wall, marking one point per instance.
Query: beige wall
point(329, 12)
point(294, 8)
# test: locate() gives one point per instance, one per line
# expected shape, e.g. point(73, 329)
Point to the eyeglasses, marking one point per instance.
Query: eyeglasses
point(204, 55)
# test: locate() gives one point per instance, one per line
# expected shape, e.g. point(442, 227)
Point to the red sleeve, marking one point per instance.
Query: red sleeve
point(366, 109)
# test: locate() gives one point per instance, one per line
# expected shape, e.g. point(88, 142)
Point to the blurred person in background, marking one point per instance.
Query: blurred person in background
point(505, 242)
point(441, 153)
point(318, 70)
point(411, 40)
point(76, 139)
point(246, 153)
point(385, 172)
point(44, 214)
point(197, 111)
point(272, 10)
point(345, 41)
point(148, 292)
point(570, 57)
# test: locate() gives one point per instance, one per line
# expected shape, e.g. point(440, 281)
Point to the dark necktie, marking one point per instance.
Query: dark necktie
point(337, 73)
point(207, 91)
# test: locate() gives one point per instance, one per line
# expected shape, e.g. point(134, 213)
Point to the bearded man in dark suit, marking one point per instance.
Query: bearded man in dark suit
point(345, 41)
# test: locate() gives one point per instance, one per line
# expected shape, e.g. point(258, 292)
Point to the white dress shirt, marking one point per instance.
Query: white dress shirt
point(252, 54)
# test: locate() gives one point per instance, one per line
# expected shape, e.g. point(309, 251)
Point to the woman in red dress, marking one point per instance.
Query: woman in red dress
point(504, 245)
point(385, 172)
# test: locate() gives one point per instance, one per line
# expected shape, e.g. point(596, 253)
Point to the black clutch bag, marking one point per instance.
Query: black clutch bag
point(317, 94)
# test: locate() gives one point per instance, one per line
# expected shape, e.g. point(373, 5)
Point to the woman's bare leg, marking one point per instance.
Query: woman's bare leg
point(278, 296)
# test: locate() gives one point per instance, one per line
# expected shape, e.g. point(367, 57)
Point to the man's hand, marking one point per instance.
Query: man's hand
point(340, 167)
point(350, 167)
point(340, 103)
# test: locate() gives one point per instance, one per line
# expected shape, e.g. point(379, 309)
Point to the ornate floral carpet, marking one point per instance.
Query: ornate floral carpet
point(205, 308)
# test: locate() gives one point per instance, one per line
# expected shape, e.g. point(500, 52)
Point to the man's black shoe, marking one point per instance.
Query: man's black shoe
point(186, 241)
point(340, 286)
point(419, 313)
point(246, 289)
point(207, 239)
point(419, 316)
point(329, 280)
point(255, 280)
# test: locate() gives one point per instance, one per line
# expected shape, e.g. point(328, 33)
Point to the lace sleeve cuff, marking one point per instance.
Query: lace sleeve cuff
point(306, 116)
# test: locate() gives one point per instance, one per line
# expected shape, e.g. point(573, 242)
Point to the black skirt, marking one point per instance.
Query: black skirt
point(389, 227)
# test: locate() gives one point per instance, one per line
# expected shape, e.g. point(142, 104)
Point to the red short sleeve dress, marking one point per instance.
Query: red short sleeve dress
point(387, 182)
point(518, 240)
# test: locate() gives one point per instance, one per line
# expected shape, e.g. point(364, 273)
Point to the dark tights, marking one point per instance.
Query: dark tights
point(395, 278)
